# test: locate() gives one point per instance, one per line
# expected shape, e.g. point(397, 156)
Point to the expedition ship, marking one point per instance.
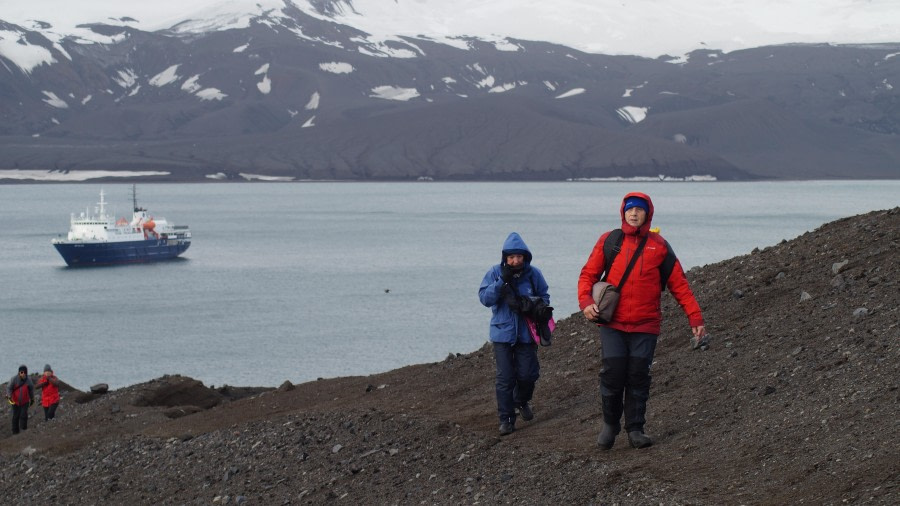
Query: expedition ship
point(95, 239)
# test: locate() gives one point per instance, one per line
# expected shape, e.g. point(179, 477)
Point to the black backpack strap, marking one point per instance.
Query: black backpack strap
point(634, 258)
point(668, 264)
point(612, 245)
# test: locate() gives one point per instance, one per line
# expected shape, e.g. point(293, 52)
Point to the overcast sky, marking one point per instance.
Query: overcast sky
point(645, 27)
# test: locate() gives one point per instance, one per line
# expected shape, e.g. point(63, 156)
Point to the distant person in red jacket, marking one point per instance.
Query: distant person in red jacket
point(20, 394)
point(628, 341)
point(49, 386)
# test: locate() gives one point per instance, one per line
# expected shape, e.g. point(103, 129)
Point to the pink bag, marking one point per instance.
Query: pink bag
point(536, 335)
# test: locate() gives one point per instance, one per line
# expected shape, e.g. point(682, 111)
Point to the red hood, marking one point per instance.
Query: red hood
point(628, 229)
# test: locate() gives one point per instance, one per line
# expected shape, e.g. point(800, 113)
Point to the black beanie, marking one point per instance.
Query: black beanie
point(23, 368)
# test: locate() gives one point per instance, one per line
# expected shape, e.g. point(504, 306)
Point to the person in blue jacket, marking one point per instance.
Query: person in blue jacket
point(505, 288)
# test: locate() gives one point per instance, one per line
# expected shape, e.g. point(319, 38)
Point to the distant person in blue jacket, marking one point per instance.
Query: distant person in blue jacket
point(506, 288)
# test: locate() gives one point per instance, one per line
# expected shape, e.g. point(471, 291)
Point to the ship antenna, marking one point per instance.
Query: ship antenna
point(134, 196)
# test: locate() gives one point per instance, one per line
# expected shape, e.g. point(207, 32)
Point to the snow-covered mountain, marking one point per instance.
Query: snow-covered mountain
point(452, 89)
point(634, 27)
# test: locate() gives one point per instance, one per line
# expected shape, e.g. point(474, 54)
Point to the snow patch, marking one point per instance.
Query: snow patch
point(54, 101)
point(641, 179)
point(210, 94)
point(486, 82)
point(54, 121)
point(337, 67)
point(309, 123)
point(394, 93)
point(62, 50)
point(73, 175)
point(135, 91)
point(680, 138)
point(86, 99)
point(572, 93)
point(191, 85)
point(218, 176)
point(632, 114)
point(313, 103)
point(448, 80)
point(627, 92)
point(26, 56)
point(550, 86)
point(262, 70)
point(165, 77)
point(502, 88)
point(889, 56)
point(260, 177)
point(239, 49)
point(264, 86)
point(127, 78)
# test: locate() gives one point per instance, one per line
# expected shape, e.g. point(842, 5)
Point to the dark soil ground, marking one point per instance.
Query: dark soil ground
point(794, 402)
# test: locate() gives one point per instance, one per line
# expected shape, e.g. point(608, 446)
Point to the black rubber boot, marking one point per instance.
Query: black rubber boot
point(507, 428)
point(607, 436)
point(525, 412)
point(638, 439)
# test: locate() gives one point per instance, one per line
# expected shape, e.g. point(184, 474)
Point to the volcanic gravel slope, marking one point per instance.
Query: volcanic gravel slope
point(794, 402)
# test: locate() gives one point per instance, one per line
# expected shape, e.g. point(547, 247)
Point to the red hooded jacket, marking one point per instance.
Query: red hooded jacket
point(639, 300)
point(50, 392)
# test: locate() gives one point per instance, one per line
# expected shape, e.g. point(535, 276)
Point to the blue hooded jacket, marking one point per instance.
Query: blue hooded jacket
point(506, 325)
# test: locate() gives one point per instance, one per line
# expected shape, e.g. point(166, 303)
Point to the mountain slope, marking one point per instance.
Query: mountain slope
point(795, 401)
point(286, 90)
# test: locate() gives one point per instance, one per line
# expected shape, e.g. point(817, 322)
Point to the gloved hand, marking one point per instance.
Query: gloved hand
point(506, 273)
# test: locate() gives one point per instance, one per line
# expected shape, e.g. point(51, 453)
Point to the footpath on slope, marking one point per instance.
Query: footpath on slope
point(795, 401)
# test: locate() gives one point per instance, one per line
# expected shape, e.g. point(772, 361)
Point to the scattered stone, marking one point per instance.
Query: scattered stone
point(769, 390)
point(860, 312)
point(838, 266)
point(804, 296)
point(336, 448)
point(838, 282)
point(737, 294)
point(100, 388)
point(287, 386)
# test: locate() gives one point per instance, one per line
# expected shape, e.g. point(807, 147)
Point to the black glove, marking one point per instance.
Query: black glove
point(506, 273)
point(512, 300)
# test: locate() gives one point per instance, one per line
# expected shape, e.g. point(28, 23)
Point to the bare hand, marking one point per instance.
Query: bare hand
point(591, 312)
point(699, 331)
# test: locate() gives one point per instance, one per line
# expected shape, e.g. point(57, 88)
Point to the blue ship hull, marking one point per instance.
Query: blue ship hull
point(81, 254)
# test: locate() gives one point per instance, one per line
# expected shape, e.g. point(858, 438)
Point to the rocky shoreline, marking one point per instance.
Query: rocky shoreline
point(795, 401)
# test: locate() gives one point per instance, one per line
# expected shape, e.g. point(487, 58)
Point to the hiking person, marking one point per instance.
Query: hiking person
point(20, 393)
point(628, 340)
point(49, 386)
point(507, 288)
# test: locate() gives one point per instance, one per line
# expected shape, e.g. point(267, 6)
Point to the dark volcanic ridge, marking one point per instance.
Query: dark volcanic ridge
point(794, 402)
point(328, 105)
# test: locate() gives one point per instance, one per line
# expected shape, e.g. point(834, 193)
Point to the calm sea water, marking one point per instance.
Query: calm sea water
point(300, 281)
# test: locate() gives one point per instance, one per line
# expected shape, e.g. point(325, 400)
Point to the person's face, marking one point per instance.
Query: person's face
point(22, 374)
point(515, 261)
point(48, 373)
point(636, 216)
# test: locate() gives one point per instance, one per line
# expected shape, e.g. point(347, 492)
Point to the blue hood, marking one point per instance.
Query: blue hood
point(515, 244)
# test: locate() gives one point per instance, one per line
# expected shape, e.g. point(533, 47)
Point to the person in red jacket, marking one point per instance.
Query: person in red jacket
point(20, 394)
point(49, 386)
point(628, 341)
